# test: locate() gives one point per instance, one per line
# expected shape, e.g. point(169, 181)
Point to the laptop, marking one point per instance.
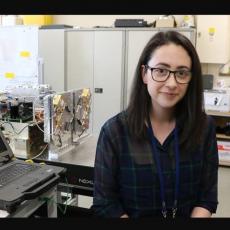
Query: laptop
point(20, 180)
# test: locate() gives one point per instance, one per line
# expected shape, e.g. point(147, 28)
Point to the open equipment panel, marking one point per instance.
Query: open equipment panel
point(66, 119)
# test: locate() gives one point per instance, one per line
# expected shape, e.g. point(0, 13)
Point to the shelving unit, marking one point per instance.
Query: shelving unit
point(217, 113)
point(221, 118)
point(224, 163)
point(222, 136)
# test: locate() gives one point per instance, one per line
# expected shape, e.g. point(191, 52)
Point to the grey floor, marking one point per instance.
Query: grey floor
point(223, 209)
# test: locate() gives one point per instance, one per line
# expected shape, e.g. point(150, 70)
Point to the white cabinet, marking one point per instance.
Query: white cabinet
point(51, 48)
point(95, 59)
point(108, 76)
point(79, 59)
point(135, 40)
point(213, 38)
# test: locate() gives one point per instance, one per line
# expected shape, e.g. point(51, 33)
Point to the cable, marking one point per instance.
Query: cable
point(34, 116)
point(39, 153)
point(48, 199)
point(8, 122)
point(68, 193)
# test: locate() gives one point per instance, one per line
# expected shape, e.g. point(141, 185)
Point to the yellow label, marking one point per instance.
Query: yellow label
point(9, 75)
point(211, 30)
point(25, 54)
point(56, 99)
point(37, 19)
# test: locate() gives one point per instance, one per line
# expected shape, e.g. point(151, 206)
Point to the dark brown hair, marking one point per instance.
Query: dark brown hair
point(189, 110)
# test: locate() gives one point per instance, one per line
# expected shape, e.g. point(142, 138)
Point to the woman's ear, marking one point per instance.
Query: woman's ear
point(144, 74)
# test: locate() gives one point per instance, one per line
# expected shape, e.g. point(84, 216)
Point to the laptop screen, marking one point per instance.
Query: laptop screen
point(5, 149)
point(2, 146)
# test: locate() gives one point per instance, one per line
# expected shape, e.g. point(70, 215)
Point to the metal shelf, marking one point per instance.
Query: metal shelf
point(222, 136)
point(218, 135)
point(224, 163)
point(218, 113)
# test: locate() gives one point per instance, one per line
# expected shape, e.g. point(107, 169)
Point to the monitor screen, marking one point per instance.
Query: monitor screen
point(2, 146)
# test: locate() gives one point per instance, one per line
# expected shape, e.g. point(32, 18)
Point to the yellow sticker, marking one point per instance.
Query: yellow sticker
point(211, 30)
point(30, 161)
point(9, 75)
point(56, 99)
point(25, 54)
point(186, 17)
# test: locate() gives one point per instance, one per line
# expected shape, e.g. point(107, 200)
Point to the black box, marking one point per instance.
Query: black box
point(130, 23)
point(207, 81)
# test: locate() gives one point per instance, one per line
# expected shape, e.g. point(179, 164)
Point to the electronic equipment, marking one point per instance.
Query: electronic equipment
point(223, 150)
point(21, 118)
point(45, 121)
point(217, 100)
point(166, 21)
point(82, 102)
point(55, 26)
point(25, 138)
point(130, 23)
point(15, 110)
point(20, 181)
point(66, 119)
point(207, 81)
point(58, 118)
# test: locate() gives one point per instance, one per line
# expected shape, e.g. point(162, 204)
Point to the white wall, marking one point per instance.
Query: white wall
point(103, 20)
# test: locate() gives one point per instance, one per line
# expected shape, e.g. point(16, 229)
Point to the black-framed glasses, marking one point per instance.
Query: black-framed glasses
point(160, 74)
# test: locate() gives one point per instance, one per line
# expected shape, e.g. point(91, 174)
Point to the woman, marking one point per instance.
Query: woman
point(159, 157)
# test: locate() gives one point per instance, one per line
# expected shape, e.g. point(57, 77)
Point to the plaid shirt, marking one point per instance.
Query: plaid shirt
point(126, 179)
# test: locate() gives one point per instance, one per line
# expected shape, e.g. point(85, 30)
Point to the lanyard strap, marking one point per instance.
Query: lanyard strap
point(160, 173)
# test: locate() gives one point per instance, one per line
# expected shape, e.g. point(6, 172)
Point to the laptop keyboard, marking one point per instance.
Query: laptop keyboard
point(15, 171)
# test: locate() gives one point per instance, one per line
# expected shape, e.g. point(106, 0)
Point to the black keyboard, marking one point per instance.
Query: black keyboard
point(15, 171)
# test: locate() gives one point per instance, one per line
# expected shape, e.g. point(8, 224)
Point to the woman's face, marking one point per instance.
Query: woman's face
point(167, 94)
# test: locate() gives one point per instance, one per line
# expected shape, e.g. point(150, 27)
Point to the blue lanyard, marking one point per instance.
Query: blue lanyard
point(159, 170)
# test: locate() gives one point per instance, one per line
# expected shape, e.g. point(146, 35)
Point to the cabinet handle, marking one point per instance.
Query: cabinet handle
point(199, 34)
point(98, 90)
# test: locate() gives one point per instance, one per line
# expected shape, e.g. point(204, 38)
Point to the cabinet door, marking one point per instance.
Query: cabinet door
point(79, 63)
point(190, 33)
point(135, 41)
point(51, 50)
point(108, 76)
point(213, 36)
point(79, 59)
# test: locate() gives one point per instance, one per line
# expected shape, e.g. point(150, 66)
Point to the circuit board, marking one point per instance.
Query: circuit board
point(82, 106)
point(58, 117)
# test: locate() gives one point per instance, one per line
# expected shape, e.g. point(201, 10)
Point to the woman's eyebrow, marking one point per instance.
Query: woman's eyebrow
point(168, 66)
